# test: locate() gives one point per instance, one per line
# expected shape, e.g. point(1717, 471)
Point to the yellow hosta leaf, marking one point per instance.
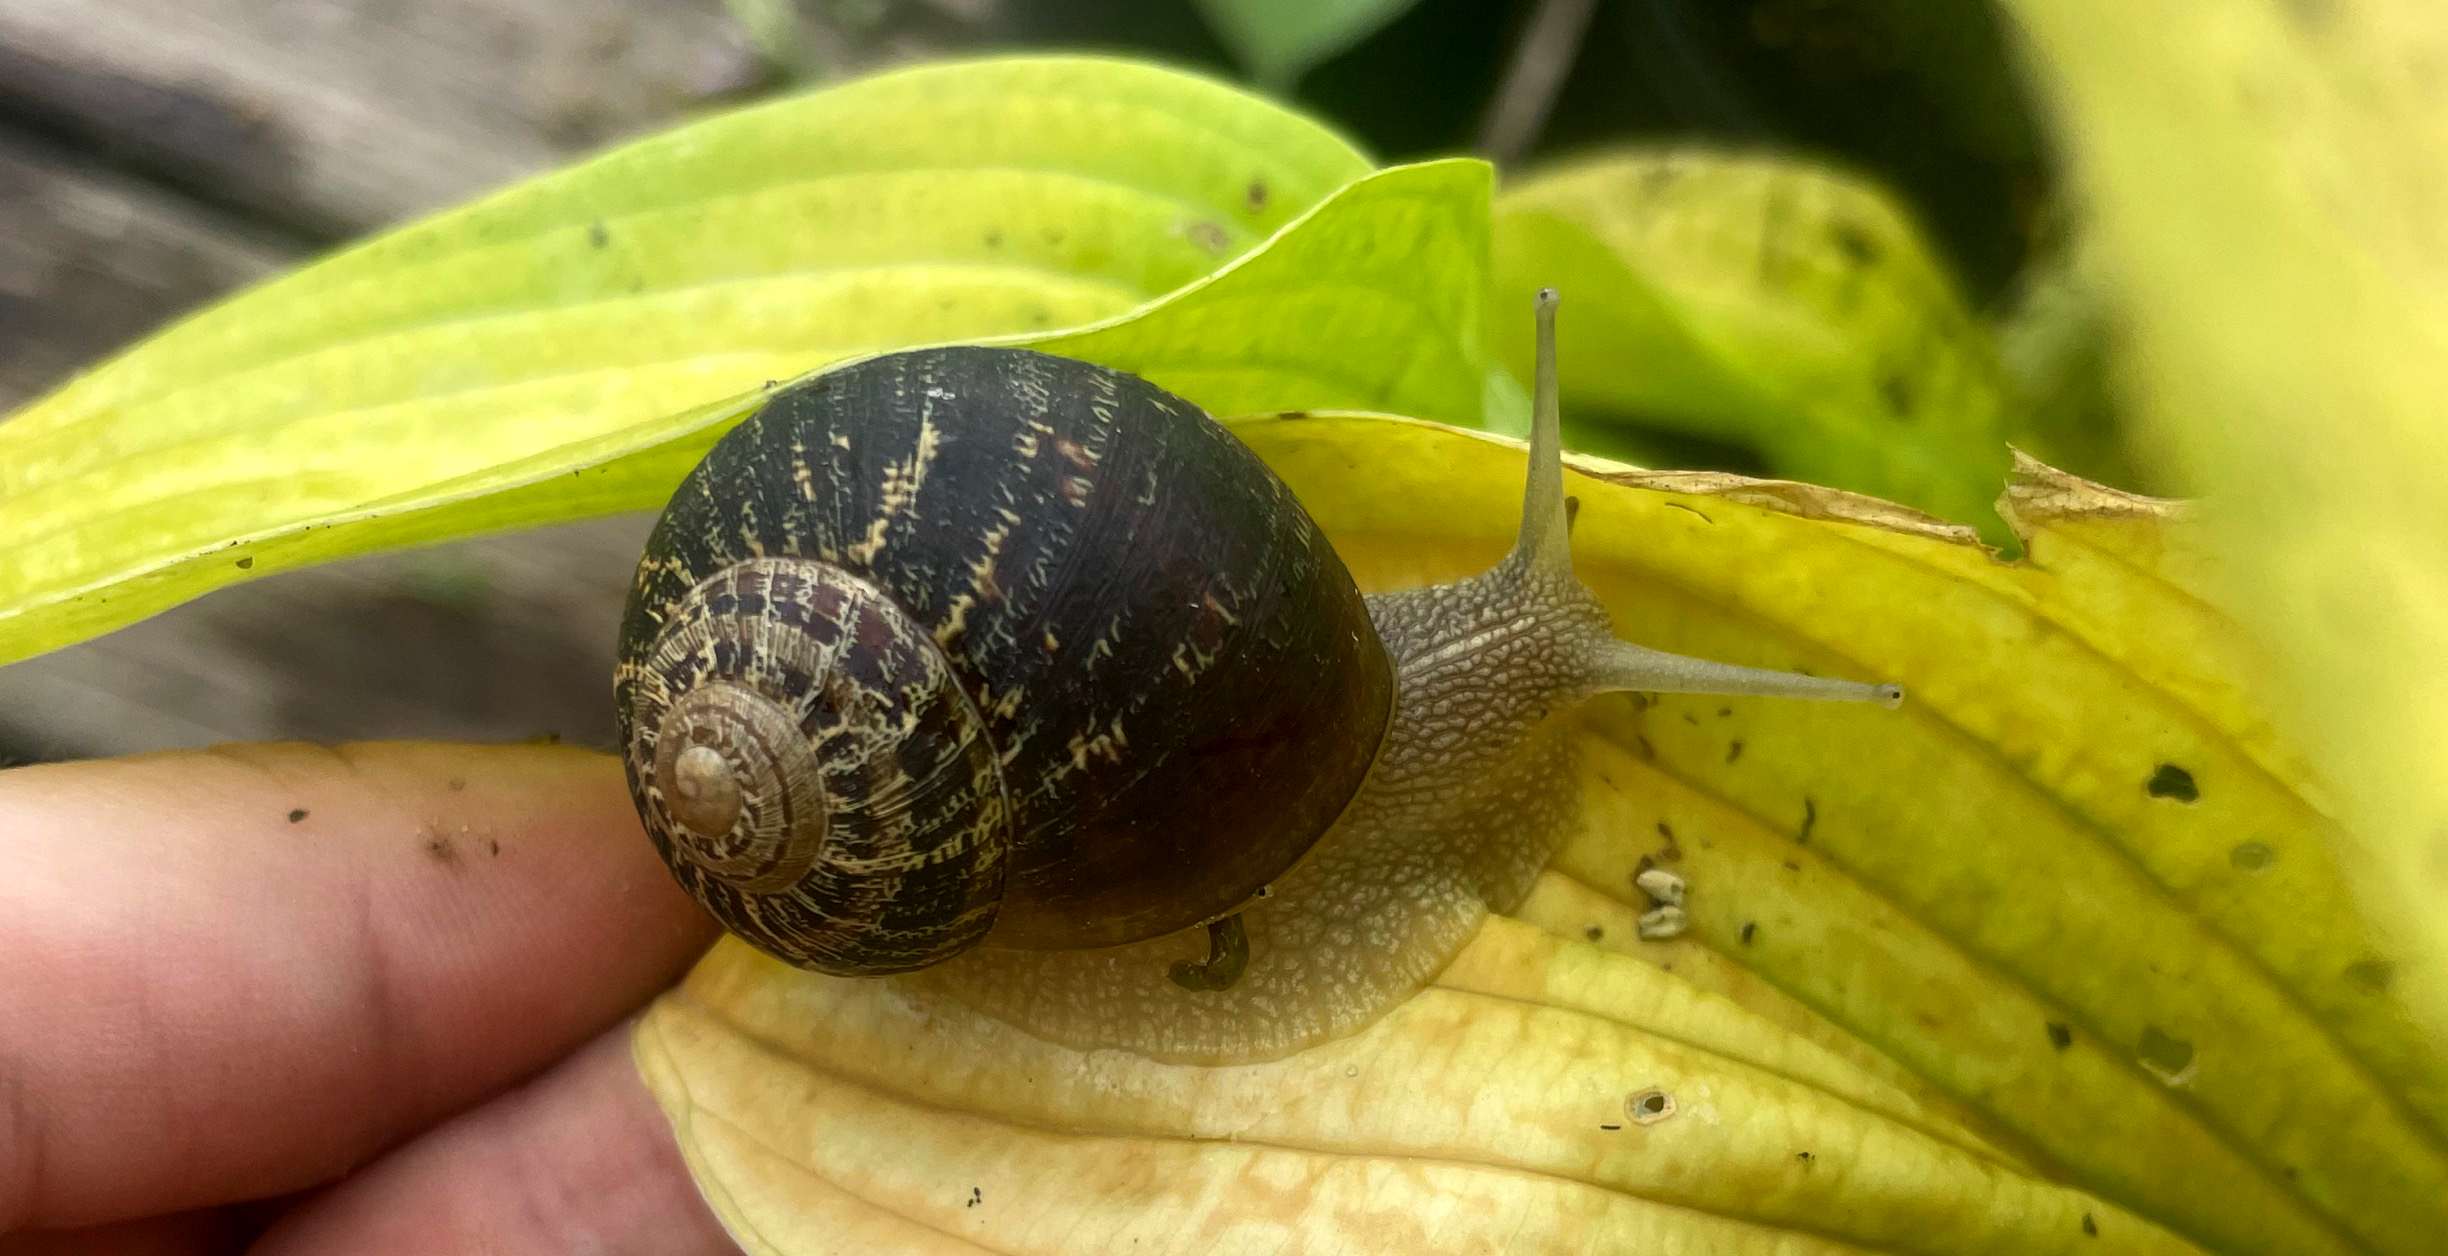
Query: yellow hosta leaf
point(2266, 188)
point(1766, 302)
point(2056, 958)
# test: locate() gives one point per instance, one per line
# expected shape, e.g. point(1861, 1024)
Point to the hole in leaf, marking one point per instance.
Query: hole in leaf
point(2174, 782)
point(1648, 1107)
point(2169, 1058)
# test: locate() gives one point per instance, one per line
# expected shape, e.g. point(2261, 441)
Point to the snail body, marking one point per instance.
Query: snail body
point(1025, 673)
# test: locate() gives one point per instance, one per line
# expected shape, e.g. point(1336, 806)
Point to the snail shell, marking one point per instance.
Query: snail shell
point(981, 644)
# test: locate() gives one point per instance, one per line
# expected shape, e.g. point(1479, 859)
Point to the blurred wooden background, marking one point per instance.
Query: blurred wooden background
point(155, 154)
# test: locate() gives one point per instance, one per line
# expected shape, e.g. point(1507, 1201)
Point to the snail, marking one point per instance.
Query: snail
point(1024, 676)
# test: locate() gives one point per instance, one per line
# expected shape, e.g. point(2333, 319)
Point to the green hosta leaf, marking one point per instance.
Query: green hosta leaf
point(1764, 302)
point(2267, 189)
point(572, 345)
point(2056, 958)
point(1279, 40)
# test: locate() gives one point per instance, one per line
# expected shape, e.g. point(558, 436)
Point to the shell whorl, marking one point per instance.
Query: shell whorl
point(1159, 652)
point(813, 773)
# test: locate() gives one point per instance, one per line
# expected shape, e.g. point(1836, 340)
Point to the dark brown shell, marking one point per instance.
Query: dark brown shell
point(1177, 678)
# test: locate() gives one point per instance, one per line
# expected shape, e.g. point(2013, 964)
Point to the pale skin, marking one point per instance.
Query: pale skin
point(395, 1024)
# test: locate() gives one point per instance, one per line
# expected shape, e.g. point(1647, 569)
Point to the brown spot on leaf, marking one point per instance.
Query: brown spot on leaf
point(1855, 243)
point(1209, 236)
point(2371, 976)
point(246, 564)
point(598, 235)
point(1749, 927)
point(296, 814)
point(1734, 751)
point(2090, 1227)
point(1594, 932)
point(2061, 1035)
point(438, 847)
point(1256, 198)
point(1897, 393)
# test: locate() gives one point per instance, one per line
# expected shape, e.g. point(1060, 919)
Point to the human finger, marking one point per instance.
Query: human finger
point(578, 1160)
point(238, 972)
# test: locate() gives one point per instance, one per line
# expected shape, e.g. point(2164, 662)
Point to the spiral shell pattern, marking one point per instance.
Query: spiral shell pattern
point(810, 769)
point(1101, 630)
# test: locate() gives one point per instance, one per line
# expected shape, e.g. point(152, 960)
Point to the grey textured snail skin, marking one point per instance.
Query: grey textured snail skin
point(1462, 797)
point(1471, 794)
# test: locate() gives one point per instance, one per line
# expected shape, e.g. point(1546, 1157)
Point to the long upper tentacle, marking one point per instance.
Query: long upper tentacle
point(1545, 546)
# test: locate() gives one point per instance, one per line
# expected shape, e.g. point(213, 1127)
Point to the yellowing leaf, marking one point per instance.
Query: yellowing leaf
point(573, 345)
point(1972, 976)
point(2267, 193)
point(1765, 302)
